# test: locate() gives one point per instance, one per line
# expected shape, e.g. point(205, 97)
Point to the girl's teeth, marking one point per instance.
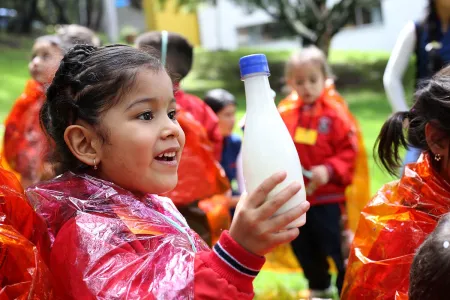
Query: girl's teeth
point(168, 154)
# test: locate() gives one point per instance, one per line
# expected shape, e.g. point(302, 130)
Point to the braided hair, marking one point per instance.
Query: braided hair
point(89, 81)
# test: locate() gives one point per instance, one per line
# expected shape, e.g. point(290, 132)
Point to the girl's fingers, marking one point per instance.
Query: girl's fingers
point(259, 195)
point(281, 221)
point(284, 237)
point(270, 207)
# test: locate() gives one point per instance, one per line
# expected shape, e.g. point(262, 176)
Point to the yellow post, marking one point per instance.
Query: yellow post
point(172, 19)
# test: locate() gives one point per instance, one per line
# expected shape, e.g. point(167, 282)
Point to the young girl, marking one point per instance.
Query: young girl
point(429, 278)
point(24, 141)
point(429, 41)
point(112, 116)
point(25, 145)
point(401, 215)
point(324, 136)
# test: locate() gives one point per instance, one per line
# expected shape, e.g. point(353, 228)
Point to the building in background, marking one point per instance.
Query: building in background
point(152, 17)
point(227, 26)
point(172, 19)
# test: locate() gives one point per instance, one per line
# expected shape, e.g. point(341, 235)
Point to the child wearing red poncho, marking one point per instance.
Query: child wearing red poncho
point(325, 139)
point(25, 149)
point(403, 213)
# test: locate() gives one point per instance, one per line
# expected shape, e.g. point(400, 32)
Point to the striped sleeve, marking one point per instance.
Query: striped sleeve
point(235, 264)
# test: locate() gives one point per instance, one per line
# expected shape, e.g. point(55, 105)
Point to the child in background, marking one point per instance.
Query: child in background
point(111, 113)
point(404, 212)
point(75, 34)
point(429, 278)
point(325, 139)
point(25, 146)
point(179, 56)
point(223, 104)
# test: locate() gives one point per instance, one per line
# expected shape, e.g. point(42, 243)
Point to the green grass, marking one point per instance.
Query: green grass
point(14, 74)
point(366, 99)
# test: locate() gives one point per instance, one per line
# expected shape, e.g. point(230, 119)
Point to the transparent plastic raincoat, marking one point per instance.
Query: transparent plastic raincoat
point(108, 243)
point(392, 226)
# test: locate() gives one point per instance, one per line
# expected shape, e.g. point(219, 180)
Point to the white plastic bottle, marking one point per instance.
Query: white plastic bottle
point(267, 146)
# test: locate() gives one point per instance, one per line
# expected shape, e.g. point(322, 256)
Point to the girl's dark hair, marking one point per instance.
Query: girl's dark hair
point(431, 265)
point(217, 99)
point(432, 105)
point(89, 81)
point(432, 26)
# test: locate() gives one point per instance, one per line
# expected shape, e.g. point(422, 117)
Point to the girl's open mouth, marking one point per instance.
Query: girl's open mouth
point(168, 156)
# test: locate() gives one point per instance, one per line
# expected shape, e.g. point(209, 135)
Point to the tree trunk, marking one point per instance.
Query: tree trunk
point(89, 12)
point(324, 41)
point(62, 18)
point(27, 20)
point(98, 21)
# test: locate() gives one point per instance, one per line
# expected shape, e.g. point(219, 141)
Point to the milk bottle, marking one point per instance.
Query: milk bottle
point(267, 146)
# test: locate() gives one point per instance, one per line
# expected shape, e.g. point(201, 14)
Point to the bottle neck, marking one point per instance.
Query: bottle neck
point(257, 91)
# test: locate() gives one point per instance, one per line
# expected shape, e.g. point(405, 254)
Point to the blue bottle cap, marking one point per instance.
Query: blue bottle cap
point(255, 63)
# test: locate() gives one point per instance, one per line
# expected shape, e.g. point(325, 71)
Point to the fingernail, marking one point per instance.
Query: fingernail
point(304, 205)
point(281, 174)
point(297, 185)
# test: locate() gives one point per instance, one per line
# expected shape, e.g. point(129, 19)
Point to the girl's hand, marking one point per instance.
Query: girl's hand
point(254, 226)
point(320, 176)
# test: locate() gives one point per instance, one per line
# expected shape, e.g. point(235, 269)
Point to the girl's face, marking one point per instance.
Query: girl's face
point(227, 119)
point(144, 140)
point(45, 61)
point(308, 80)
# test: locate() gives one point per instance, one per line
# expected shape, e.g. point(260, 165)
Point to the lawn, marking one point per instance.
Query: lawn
point(359, 79)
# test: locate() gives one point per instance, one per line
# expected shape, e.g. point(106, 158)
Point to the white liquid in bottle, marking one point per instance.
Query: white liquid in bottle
point(267, 146)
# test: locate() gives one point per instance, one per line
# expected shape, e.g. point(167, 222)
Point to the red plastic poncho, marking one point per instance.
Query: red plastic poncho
point(25, 144)
point(24, 246)
point(392, 226)
point(110, 243)
point(203, 114)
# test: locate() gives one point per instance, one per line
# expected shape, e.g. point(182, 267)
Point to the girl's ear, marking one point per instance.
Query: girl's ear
point(84, 143)
point(437, 142)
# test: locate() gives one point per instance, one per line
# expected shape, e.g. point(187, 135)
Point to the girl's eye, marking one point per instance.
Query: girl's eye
point(147, 116)
point(173, 115)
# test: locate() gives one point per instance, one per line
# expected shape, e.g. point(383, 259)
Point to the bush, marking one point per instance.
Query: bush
point(351, 68)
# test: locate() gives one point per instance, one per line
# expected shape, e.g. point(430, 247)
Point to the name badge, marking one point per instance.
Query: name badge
point(305, 136)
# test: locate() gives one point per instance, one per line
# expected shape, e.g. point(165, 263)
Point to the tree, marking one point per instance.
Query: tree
point(313, 20)
point(50, 12)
